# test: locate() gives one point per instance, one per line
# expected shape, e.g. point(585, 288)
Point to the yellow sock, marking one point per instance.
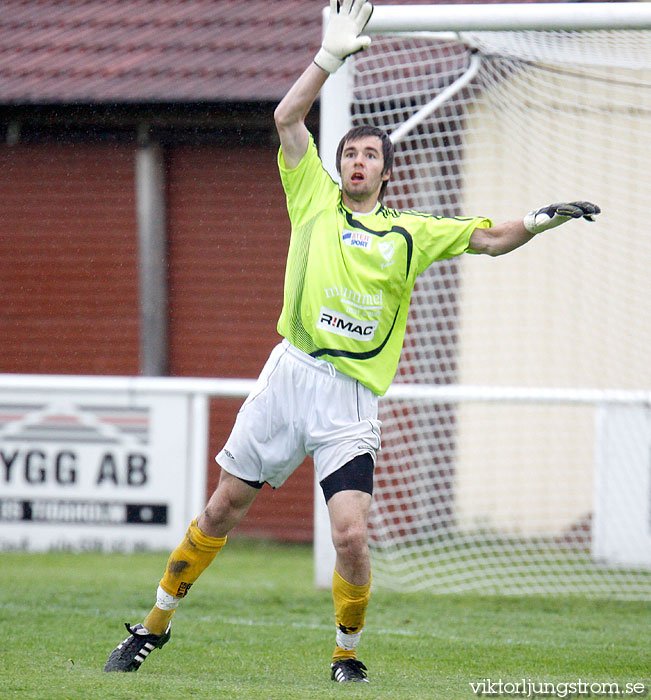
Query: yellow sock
point(189, 560)
point(340, 653)
point(351, 602)
point(157, 620)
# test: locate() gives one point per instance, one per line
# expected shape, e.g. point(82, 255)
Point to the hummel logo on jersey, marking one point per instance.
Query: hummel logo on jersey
point(356, 239)
point(341, 324)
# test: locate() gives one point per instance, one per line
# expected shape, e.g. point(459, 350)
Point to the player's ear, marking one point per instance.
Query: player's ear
point(386, 176)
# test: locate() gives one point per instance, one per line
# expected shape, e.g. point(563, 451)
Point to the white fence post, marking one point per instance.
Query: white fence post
point(622, 490)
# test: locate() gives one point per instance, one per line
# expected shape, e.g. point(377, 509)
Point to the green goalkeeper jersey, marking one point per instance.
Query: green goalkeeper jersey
point(350, 276)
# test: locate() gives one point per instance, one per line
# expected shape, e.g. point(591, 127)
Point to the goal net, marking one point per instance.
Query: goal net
point(525, 464)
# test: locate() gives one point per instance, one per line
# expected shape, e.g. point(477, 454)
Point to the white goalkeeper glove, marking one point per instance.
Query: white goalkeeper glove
point(557, 214)
point(342, 36)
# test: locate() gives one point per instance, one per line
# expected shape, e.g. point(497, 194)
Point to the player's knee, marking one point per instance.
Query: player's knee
point(350, 540)
point(228, 504)
point(223, 507)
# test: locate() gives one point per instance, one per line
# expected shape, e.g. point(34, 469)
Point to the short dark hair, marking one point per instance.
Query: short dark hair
point(358, 132)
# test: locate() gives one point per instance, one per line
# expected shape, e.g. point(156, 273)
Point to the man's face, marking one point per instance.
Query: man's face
point(361, 168)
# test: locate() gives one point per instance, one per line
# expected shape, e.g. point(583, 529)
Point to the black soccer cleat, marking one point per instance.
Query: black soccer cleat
point(348, 671)
point(129, 654)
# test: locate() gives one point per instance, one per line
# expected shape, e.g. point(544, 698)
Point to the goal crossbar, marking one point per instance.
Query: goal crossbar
point(392, 19)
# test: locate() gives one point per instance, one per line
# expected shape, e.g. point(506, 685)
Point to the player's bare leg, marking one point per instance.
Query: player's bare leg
point(204, 539)
point(351, 583)
point(348, 512)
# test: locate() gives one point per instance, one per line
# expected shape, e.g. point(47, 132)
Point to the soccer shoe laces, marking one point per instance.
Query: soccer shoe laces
point(139, 631)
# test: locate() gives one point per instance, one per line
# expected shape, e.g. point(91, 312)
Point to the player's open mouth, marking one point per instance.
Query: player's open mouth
point(357, 177)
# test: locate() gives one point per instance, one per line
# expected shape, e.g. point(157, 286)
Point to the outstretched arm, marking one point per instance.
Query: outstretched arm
point(505, 237)
point(342, 38)
point(499, 239)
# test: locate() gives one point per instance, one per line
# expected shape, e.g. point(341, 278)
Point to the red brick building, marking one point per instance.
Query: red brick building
point(85, 87)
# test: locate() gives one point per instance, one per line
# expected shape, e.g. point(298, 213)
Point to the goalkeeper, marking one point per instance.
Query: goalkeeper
point(351, 268)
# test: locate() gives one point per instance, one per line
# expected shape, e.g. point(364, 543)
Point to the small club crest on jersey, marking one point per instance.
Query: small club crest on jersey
point(387, 250)
point(356, 239)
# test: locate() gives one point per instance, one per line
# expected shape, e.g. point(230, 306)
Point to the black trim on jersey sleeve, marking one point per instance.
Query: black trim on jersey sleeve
point(394, 229)
point(358, 355)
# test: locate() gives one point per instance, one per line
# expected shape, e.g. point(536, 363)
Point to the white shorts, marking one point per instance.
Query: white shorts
point(300, 406)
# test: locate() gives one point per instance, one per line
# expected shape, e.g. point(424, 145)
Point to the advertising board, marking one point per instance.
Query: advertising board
point(110, 471)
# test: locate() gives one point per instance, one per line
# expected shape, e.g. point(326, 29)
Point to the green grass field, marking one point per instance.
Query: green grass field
point(255, 628)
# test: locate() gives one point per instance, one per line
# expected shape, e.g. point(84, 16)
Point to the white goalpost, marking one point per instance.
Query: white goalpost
point(517, 436)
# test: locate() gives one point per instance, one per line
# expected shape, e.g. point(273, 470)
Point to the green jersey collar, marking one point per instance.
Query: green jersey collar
point(375, 209)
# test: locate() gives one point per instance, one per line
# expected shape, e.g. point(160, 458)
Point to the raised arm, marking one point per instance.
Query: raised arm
point(507, 236)
point(342, 38)
point(291, 112)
